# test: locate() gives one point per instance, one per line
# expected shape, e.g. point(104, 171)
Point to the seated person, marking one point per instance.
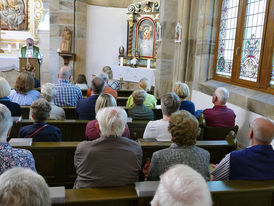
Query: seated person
point(4, 93)
point(111, 160)
point(184, 129)
point(22, 187)
point(92, 129)
point(253, 163)
point(107, 89)
point(139, 110)
point(82, 82)
point(220, 115)
point(39, 131)
point(9, 156)
point(23, 92)
point(114, 84)
point(182, 185)
point(150, 100)
point(182, 90)
point(158, 129)
point(85, 108)
point(48, 91)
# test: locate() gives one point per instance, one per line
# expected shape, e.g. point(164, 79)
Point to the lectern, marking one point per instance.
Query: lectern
point(24, 62)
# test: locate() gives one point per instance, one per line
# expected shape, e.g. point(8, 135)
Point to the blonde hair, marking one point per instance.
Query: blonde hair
point(144, 84)
point(104, 100)
point(181, 89)
point(4, 87)
point(24, 83)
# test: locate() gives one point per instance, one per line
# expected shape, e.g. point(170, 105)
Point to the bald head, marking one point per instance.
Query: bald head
point(220, 96)
point(262, 130)
point(64, 73)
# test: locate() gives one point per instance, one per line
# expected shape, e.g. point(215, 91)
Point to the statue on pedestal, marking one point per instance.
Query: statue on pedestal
point(66, 41)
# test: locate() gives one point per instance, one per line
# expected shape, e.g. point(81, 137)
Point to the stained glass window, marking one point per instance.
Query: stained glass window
point(227, 34)
point(253, 32)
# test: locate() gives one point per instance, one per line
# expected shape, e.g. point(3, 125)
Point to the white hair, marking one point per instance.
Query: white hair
point(112, 121)
point(64, 72)
point(182, 186)
point(21, 187)
point(263, 130)
point(5, 122)
point(48, 91)
point(222, 94)
point(103, 76)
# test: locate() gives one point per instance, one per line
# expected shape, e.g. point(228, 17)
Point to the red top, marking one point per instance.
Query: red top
point(219, 116)
point(107, 90)
point(92, 131)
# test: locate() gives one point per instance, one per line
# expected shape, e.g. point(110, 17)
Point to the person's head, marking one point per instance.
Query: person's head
point(181, 89)
point(106, 69)
point(144, 84)
point(81, 79)
point(170, 103)
point(48, 91)
point(105, 100)
point(184, 128)
point(97, 85)
point(139, 96)
point(40, 110)
point(21, 186)
point(182, 186)
point(261, 131)
point(29, 42)
point(103, 76)
point(4, 88)
point(220, 96)
point(110, 74)
point(112, 121)
point(5, 122)
point(64, 73)
point(24, 83)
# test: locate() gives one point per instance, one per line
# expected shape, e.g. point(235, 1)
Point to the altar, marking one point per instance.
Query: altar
point(8, 63)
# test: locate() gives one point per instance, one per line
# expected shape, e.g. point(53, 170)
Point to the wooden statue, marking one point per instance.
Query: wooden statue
point(66, 41)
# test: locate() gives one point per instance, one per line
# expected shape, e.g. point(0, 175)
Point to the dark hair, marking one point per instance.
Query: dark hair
point(24, 83)
point(97, 85)
point(81, 79)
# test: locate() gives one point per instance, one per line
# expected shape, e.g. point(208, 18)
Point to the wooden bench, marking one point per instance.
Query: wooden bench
point(224, 193)
point(74, 130)
point(54, 160)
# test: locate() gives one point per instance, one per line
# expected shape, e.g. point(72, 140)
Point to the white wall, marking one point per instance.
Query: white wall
point(243, 117)
point(106, 32)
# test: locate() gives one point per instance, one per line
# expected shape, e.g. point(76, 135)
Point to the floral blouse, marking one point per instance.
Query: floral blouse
point(11, 157)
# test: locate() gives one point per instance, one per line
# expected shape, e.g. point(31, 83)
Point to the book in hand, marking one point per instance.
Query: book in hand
point(57, 194)
point(146, 189)
point(16, 142)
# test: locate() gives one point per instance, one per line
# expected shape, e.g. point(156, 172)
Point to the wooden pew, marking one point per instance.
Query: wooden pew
point(54, 160)
point(224, 193)
point(74, 130)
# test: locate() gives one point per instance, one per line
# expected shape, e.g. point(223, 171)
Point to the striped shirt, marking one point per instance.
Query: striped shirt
point(67, 94)
point(221, 172)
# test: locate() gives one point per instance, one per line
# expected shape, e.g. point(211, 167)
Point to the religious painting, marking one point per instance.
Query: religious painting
point(14, 15)
point(145, 38)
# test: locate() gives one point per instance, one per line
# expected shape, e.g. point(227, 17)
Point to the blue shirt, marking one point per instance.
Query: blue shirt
point(188, 106)
point(24, 99)
point(47, 134)
point(67, 94)
point(13, 107)
point(11, 157)
point(85, 108)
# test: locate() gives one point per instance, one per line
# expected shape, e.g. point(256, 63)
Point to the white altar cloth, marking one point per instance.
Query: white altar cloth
point(9, 62)
point(133, 74)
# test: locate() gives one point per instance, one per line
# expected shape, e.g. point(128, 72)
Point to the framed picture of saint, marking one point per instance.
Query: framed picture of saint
point(145, 38)
point(14, 15)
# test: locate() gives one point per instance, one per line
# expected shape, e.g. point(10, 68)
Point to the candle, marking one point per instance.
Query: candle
point(121, 61)
point(17, 45)
point(9, 48)
point(148, 63)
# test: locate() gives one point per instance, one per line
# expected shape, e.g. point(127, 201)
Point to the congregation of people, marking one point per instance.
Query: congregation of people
point(109, 157)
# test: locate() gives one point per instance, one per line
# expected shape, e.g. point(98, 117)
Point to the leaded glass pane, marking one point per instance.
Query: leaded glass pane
point(227, 34)
point(253, 31)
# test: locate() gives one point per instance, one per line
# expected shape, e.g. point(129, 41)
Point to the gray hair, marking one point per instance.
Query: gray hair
point(97, 85)
point(222, 94)
point(144, 84)
point(4, 87)
point(104, 100)
point(64, 72)
point(48, 91)
point(139, 96)
point(112, 121)
point(103, 76)
point(263, 130)
point(21, 187)
point(181, 89)
point(40, 110)
point(170, 103)
point(182, 185)
point(5, 122)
